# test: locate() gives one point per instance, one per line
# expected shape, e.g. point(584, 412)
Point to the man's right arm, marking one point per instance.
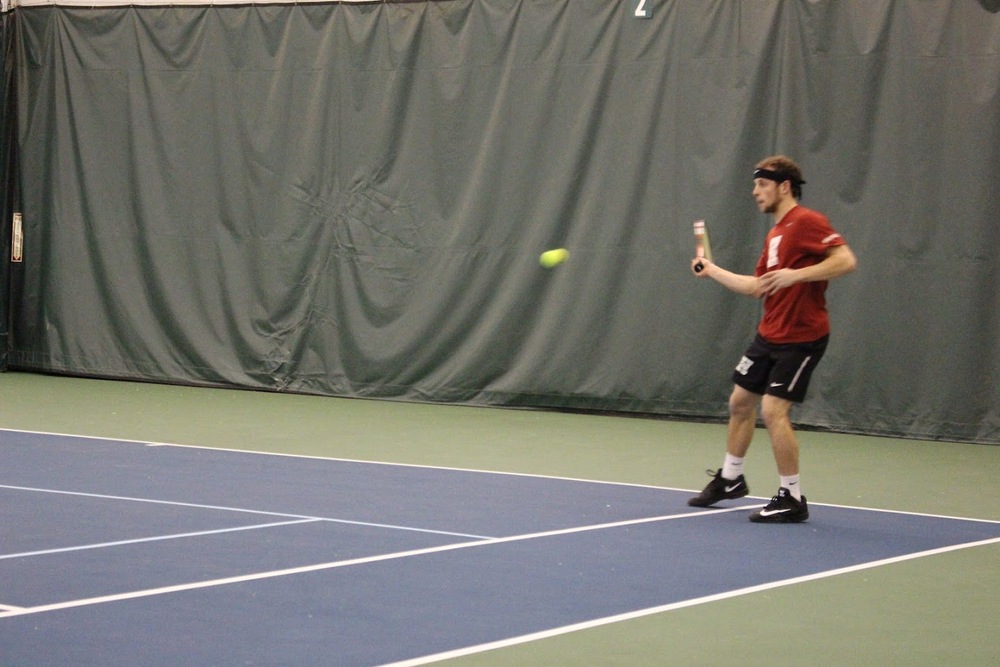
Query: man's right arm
point(741, 284)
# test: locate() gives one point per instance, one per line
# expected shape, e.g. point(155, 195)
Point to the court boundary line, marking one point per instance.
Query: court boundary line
point(240, 510)
point(628, 616)
point(425, 466)
point(364, 560)
point(155, 538)
point(316, 457)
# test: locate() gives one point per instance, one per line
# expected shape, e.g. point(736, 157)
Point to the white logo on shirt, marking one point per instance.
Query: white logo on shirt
point(772, 251)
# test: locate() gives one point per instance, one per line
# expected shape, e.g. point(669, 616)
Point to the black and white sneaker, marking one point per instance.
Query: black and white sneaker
point(783, 508)
point(720, 488)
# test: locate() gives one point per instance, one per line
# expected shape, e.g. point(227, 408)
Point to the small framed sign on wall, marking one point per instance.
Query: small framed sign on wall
point(16, 239)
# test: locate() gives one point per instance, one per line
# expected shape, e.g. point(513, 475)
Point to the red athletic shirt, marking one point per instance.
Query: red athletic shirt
point(797, 314)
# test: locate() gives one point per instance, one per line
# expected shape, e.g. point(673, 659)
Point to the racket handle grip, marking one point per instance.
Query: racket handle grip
point(699, 267)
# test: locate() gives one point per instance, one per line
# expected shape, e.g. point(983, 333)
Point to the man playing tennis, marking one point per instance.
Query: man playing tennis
point(801, 254)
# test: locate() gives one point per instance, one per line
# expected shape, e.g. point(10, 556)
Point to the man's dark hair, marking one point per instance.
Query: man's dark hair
point(781, 168)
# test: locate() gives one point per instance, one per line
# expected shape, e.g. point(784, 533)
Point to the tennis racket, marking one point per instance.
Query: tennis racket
point(702, 246)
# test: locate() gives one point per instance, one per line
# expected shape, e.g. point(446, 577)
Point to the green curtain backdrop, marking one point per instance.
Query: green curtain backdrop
point(350, 199)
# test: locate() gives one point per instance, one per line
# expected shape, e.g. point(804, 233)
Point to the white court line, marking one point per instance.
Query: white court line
point(163, 590)
point(597, 622)
point(241, 510)
point(157, 538)
point(314, 457)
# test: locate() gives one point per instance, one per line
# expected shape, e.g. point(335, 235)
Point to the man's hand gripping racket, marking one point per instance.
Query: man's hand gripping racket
point(702, 247)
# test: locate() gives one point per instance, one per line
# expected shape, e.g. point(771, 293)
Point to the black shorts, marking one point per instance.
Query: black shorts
point(779, 370)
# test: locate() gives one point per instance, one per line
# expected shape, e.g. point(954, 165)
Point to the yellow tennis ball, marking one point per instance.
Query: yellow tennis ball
point(552, 258)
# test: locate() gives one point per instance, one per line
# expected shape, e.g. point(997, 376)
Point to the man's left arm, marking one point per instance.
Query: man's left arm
point(838, 261)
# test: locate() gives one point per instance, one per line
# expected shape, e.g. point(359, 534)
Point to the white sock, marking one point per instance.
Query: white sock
point(792, 484)
point(732, 467)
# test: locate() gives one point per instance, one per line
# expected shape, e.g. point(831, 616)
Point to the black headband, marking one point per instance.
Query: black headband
point(776, 176)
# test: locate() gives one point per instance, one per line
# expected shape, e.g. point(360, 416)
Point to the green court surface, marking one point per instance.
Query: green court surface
point(934, 610)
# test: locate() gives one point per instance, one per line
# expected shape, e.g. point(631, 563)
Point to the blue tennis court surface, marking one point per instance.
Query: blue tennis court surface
point(130, 553)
